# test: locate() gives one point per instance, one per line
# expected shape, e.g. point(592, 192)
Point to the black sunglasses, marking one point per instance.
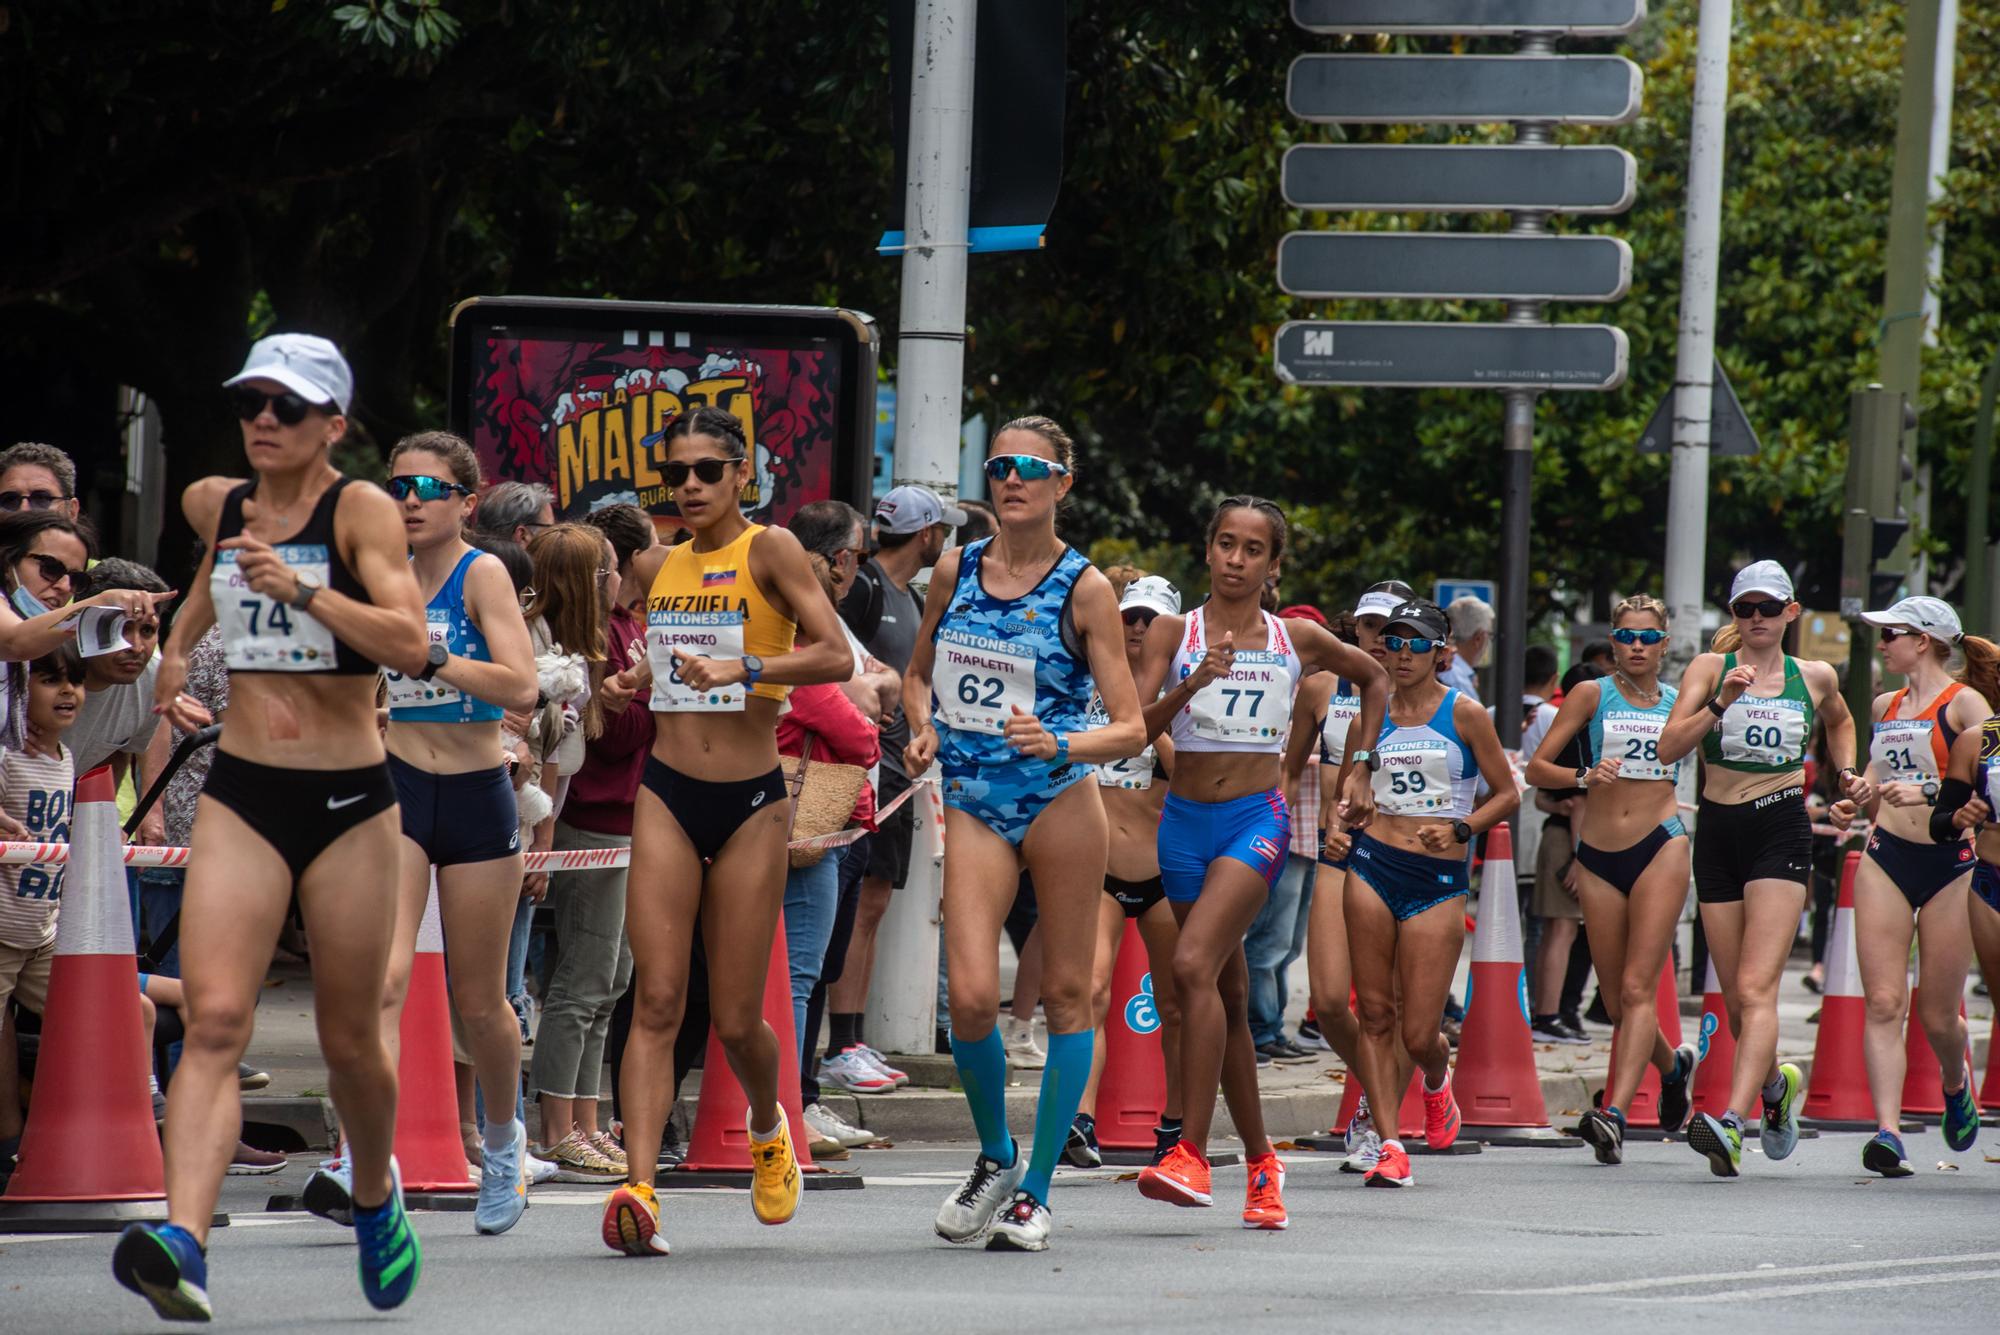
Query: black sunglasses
point(33, 500)
point(287, 407)
point(1133, 616)
point(54, 571)
point(709, 471)
point(1890, 634)
point(1768, 608)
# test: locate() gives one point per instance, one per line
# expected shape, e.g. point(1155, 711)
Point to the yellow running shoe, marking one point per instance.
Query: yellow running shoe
point(774, 1185)
point(632, 1221)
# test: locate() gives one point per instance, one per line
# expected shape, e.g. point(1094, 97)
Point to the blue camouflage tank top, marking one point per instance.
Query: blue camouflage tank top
point(436, 701)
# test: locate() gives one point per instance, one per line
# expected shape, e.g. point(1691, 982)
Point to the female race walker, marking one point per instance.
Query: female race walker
point(1407, 876)
point(456, 796)
point(1134, 791)
point(1969, 795)
point(1749, 706)
point(709, 829)
point(1009, 654)
point(1907, 875)
point(309, 580)
point(1632, 859)
point(1226, 832)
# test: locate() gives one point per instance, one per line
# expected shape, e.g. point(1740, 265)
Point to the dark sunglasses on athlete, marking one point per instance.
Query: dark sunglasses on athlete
point(1768, 608)
point(1890, 634)
point(1138, 616)
point(1030, 467)
point(425, 488)
point(249, 403)
point(1645, 637)
point(1419, 645)
point(33, 500)
point(54, 571)
point(710, 471)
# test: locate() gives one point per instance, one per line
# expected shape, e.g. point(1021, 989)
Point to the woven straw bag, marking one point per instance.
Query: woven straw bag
point(823, 797)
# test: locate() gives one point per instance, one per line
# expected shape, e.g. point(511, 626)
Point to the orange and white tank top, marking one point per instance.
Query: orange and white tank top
point(1914, 749)
point(708, 604)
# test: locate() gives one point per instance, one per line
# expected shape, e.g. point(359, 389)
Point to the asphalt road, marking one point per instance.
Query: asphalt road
point(1522, 1240)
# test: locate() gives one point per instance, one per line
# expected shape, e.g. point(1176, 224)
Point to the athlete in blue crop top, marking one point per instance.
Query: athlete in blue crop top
point(1632, 860)
point(459, 819)
point(998, 691)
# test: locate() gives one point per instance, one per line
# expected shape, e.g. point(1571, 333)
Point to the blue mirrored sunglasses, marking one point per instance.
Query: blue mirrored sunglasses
point(425, 488)
point(1031, 467)
point(1398, 643)
point(1645, 637)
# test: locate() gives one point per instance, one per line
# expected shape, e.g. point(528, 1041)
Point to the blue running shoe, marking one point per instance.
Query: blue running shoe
point(1884, 1155)
point(163, 1264)
point(390, 1256)
point(1961, 1117)
point(503, 1187)
point(1720, 1142)
point(1781, 1119)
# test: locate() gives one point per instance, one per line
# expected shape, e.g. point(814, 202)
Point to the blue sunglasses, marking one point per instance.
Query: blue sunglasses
point(425, 488)
point(1645, 637)
point(1398, 643)
point(1031, 467)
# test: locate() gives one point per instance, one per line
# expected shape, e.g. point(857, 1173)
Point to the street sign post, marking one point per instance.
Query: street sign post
point(1420, 355)
point(1464, 90)
point(1575, 18)
point(1455, 178)
point(1488, 267)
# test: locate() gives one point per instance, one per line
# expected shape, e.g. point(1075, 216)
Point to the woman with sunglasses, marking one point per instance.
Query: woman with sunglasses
point(1225, 832)
point(1914, 882)
point(309, 579)
point(713, 816)
point(1750, 707)
point(1007, 659)
point(1632, 859)
point(1407, 876)
point(1134, 791)
point(459, 819)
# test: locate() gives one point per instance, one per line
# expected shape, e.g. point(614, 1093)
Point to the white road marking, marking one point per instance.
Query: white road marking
point(1796, 1290)
point(1778, 1272)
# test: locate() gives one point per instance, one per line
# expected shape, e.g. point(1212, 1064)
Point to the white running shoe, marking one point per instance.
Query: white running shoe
point(1359, 1126)
point(824, 1122)
point(329, 1192)
point(852, 1073)
point(1022, 1227)
point(1366, 1155)
point(539, 1170)
point(881, 1064)
point(1023, 1053)
point(968, 1212)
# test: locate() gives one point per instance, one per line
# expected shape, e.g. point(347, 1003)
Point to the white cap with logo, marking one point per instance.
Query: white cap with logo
point(306, 364)
point(1766, 577)
point(1932, 616)
point(911, 509)
point(1153, 593)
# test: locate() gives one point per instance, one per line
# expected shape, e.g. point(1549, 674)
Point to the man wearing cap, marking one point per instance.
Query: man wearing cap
point(912, 526)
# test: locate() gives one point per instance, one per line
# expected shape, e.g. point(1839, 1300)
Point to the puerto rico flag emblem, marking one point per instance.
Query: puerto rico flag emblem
point(715, 579)
point(1264, 849)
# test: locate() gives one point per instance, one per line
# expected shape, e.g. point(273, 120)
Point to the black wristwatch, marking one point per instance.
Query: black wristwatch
point(1930, 791)
point(436, 659)
point(1368, 757)
point(1583, 776)
point(1461, 831)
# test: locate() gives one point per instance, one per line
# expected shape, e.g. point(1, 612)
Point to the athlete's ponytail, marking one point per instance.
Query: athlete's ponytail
point(1727, 639)
point(1982, 667)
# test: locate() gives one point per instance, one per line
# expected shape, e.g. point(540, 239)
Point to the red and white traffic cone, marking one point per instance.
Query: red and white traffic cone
point(1837, 1098)
point(1923, 1078)
point(428, 1148)
point(1498, 1086)
point(1132, 1092)
point(1716, 1047)
point(1644, 1114)
point(1989, 1088)
point(90, 1156)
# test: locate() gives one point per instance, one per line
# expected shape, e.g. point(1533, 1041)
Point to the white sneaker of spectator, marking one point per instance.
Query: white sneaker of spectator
point(881, 1064)
point(853, 1073)
point(1023, 1053)
point(827, 1123)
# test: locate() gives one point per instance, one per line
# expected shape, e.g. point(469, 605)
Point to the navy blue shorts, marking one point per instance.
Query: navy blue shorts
point(1919, 870)
point(458, 818)
point(1986, 884)
point(1621, 868)
point(1409, 883)
point(1255, 830)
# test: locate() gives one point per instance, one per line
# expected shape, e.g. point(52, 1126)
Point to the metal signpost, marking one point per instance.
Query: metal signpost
point(1535, 89)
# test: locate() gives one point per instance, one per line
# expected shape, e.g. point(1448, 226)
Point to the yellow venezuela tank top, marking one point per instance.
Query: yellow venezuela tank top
point(708, 604)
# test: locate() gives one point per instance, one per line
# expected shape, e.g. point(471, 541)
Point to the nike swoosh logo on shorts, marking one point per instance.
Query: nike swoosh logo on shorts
point(332, 805)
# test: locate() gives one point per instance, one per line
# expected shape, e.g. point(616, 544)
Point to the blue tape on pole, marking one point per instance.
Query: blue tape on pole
point(982, 240)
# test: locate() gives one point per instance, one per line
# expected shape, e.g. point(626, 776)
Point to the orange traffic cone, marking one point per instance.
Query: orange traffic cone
point(1132, 1092)
point(1644, 1114)
point(1716, 1048)
point(1923, 1078)
point(1989, 1089)
point(428, 1148)
point(1838, 1098)
point(719, 1147)
point(1499, 1088)
point(90, 1086)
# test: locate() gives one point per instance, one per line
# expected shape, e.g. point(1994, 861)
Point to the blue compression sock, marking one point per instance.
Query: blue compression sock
point(1063, 1079)
point(982, 1070)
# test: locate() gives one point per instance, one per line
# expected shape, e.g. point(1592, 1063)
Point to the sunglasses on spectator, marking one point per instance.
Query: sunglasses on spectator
point(1645, 637)
point(287, 407)
point(1768, 608)
point(425, 488)
point(1418, 645)
point(1029, 467)
point(55, 572)
point(33, 500)
point(710, 471)
point(1890, 634)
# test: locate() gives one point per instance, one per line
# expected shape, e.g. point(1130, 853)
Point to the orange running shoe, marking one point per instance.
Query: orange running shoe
point(632, 1221)
point(1179, 1179)
point(1263, 1197)
point(1392, 1169)
point(1441, 1116)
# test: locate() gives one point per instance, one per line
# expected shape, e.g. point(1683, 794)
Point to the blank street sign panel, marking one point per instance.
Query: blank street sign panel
point(1577, 17)
point(1450, 356)
point(1445, 265)
point(1451, 178)
point(1464, 90)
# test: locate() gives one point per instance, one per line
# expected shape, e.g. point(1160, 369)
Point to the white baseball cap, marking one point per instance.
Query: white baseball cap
point(913, 509)
point(1932, 616)
point(1153, 593)
point(1762, 577)
point(1377, 602)
point(306, 364)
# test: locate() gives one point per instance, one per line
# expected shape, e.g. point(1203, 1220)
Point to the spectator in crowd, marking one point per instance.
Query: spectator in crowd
point(43, 555)
point(516, 511)
point(117, 722)
point(1555, 905)
point(35, 476)
point(1597, 654)
point(980, 522)
point(1121, 576)
point(1471, 631)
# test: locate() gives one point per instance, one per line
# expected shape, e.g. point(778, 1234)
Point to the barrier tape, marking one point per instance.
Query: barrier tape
point(576, 859)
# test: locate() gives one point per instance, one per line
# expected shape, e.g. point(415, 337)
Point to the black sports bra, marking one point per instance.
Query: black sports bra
point(260, 634)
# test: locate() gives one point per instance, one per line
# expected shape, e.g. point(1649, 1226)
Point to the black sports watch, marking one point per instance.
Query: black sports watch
point(1461, 831)
point(1367, 756)
point(436, 659)
point(753, 668)
point(1930, 791)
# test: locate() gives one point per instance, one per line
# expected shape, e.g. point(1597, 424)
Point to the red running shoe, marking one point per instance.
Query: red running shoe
point(1392, 1169)
point(1263, 1197)
point(1441, 1116)
point(1179, 1179)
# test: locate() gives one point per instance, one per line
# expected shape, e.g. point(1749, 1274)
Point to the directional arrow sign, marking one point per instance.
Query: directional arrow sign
point(1450, 178)
point(1451, 356)
point(1576, 17)
point(1465, 90)
point(1495, 267)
